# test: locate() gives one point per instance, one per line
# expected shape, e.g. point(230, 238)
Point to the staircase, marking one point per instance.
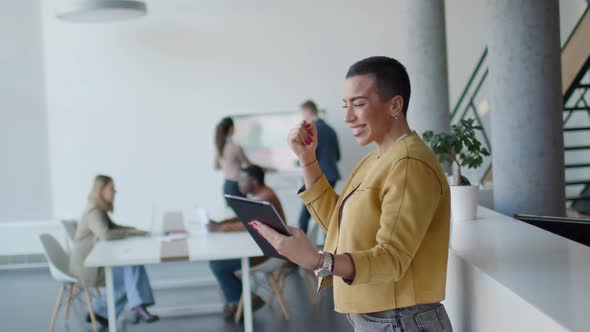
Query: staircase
point(575, 58)
point(474, 104)
point(575, 55)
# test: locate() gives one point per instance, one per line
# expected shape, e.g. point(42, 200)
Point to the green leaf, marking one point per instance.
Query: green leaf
point(461, 141)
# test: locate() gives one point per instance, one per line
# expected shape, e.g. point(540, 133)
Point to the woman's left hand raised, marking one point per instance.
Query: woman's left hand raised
point(297, 248)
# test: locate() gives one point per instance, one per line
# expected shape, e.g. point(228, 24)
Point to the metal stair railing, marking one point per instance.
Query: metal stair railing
point(576, 101)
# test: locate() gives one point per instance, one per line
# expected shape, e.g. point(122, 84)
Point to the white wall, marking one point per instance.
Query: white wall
point(569, 14)
point(24, 162)
point(139, 99)
point(464, 45)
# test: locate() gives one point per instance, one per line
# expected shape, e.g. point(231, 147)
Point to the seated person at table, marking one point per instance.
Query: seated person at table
point(251, 183)
point(130, 283)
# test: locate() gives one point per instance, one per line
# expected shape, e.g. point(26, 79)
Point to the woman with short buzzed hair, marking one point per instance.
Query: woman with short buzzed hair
point(387, 240)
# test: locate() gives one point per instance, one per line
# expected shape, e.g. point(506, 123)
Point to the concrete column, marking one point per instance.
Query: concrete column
point(425, 45)
point(526, 101)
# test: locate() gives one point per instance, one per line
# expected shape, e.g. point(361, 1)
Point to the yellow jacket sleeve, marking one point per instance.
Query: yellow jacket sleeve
point(409, 199)
point(321, 200)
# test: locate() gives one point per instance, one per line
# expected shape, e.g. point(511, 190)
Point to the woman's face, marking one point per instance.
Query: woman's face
point(368, 117)
point(230, 131)
point(108, 192)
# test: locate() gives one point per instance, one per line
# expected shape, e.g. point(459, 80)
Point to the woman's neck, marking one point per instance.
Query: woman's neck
point(399, 129)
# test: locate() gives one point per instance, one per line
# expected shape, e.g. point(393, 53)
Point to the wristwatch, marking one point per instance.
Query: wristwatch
point(327, 268)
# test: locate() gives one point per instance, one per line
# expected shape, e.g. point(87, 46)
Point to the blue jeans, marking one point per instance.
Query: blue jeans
point(130, 284)
point(304, 214)
point(231, 188)
point(230, 284)
point(418, 318)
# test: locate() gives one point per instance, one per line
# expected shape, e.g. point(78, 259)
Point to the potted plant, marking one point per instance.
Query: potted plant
point(461, 148)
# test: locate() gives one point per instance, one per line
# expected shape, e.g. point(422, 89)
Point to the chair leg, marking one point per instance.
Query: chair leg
point(282, 278)
point(279, 292)
point(56, 309)
point(240, 310)
point(90, 310)
point(272, 293)
point(309, 286)
point(69, 302)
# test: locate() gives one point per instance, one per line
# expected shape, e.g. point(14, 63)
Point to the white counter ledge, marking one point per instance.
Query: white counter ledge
point(502, 270)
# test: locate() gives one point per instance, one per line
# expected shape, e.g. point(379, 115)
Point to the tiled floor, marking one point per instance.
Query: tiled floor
point(27, 298)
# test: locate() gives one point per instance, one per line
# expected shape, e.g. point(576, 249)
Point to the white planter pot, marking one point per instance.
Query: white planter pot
point(464, 201)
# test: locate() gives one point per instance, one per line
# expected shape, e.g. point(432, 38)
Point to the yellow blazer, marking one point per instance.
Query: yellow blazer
point(393, 218)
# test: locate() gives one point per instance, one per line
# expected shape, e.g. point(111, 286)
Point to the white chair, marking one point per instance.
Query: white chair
point(70, 228)
point(58, 262)
point(275, 271)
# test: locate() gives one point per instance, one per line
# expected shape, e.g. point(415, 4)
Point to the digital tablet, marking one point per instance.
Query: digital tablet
point(264, 212)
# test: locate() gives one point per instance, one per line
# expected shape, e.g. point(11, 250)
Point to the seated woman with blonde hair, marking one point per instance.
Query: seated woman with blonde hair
point(131, 283)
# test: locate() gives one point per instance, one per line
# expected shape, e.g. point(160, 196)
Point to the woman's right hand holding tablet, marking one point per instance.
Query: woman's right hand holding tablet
point(303, 141)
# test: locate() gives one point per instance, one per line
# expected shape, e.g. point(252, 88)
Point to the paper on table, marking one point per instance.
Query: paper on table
point(173, 237)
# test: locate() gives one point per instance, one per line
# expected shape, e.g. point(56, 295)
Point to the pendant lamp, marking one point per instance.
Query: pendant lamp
point(95, 11)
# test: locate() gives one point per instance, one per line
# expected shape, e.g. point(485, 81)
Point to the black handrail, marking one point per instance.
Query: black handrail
point(460, 108)
point(576, 26)
point(468, 86)
point(533, 218)
point(484, 55)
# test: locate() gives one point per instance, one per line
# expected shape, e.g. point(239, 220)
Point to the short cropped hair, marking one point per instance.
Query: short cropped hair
point(256, 172)
point(391, 77)
point(310, 105)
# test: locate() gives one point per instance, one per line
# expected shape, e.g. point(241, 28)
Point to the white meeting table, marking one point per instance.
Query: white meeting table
point(202, 246)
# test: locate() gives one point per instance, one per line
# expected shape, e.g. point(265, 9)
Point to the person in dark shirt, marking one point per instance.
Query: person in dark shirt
point(327, 152)
point(251, 184)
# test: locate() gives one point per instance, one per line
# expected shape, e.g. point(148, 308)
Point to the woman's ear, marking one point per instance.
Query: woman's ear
point(397, 106)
